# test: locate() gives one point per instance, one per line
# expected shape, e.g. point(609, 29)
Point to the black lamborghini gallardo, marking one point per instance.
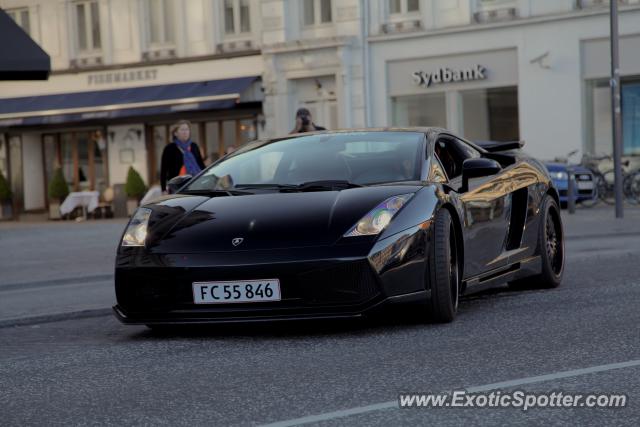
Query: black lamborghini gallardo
point(338, 224)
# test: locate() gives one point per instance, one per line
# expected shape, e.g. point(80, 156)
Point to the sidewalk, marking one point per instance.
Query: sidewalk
point(601, 221)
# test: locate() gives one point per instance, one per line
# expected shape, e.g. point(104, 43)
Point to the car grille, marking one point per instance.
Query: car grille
point(160, 289)
point(348, 283)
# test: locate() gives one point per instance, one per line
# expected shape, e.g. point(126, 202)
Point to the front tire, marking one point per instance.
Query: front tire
point(551, 246)
point(443, 270)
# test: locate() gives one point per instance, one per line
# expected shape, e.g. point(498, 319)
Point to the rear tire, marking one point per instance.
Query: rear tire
point(551, 246)
point(443, 270)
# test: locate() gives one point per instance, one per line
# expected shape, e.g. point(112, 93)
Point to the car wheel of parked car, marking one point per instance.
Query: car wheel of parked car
point(551, 246)
point(443, 271)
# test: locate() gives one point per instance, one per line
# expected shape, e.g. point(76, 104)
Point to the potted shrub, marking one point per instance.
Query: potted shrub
point(135, 189)
point(58, 191)
point(5, 199)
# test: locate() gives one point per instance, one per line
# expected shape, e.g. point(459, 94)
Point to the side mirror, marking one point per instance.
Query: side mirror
point(476, 168)
point(177, 183)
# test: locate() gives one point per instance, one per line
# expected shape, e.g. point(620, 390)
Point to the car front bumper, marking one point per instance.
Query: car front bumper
point(354, 280)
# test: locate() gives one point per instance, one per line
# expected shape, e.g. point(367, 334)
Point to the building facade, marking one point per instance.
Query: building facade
point(123, 73)
point(534, 70)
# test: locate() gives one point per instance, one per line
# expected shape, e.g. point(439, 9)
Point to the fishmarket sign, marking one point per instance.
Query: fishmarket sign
point(125, 76)
point(448, 75)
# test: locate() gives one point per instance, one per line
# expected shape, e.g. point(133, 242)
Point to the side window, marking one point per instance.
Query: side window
point(466, 150)
point(452, 153)
point(449, 158)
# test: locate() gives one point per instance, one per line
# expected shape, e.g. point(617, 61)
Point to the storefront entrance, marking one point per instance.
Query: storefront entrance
point(474, 95)
point(81, 154)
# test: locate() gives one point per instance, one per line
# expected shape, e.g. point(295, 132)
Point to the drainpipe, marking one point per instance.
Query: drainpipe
point(364, 35)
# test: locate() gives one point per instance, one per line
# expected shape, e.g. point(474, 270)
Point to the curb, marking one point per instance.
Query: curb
point(55, 317)
point(54, 282)
point(600, 235)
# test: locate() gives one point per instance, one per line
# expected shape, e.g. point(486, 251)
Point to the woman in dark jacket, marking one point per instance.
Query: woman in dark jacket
point(181, 157)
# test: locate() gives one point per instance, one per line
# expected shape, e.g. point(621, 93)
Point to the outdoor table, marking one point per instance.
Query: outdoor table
point(87, 199)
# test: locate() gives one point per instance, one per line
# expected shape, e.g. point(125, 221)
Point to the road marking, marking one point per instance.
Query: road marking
point(504, 384)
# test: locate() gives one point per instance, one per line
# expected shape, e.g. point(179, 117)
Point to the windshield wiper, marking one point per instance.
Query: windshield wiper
point(266, 186)
point(335, 184)
point(215, 193)
point(323, 185)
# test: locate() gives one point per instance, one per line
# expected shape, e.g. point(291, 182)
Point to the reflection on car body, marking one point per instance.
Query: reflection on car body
point(340, 224)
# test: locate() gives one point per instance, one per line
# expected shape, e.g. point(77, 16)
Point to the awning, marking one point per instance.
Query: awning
point(110, 104)
point(20, 57)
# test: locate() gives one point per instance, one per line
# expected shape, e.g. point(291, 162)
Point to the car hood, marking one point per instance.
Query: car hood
point(190, 224)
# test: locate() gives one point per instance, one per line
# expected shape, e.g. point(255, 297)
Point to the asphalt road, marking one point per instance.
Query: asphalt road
point(97, 371)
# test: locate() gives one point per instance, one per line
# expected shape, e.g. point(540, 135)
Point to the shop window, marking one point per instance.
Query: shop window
point(87, 16)
point(316, 12)
point(67, 157)
point(160, 22)
point(51, 157)
point(213, 148)
point(82, 156)
point(21, 17)
point(229, 135)
point(631, 118)
point(237, 18)
point(491, 114)
point(599, 131)
point(247, 131)
point(420, 110)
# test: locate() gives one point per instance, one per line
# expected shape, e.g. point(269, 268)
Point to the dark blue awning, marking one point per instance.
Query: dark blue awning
point(110, 104)
point(20, 57)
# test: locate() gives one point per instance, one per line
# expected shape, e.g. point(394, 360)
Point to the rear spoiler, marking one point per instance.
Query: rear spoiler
point(495, 146)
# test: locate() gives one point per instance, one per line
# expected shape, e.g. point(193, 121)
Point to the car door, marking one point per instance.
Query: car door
point(485, 214)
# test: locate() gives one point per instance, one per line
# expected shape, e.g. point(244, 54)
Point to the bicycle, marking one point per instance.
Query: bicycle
point(606, 180)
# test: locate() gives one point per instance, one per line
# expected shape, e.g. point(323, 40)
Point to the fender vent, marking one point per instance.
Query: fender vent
point(517, 217)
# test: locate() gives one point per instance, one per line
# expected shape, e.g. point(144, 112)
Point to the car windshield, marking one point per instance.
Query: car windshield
point(354, 159)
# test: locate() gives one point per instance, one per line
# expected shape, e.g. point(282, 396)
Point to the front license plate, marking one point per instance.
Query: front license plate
point(236, 291)
point(585, 185)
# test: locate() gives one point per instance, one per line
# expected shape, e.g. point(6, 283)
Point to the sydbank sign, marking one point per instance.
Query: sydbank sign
point(448, 75)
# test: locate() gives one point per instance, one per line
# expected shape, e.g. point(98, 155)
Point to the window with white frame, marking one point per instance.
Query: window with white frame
point(316, 12)
point(160, 28)
point(87, 17)
point(237, 18)
point(401, 7)
point(21, 17)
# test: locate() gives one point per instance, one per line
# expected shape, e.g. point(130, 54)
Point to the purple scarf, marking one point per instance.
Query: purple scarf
point(190, 163)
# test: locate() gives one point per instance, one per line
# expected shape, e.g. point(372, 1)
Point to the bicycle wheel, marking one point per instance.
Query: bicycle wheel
point(631, 186)
point(606, 189)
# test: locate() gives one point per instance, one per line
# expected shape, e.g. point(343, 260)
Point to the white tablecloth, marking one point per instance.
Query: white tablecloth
point(88, 199)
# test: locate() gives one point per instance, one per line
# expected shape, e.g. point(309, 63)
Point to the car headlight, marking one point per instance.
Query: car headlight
point(379, 217)
point(136, 232)
point(562, 176)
